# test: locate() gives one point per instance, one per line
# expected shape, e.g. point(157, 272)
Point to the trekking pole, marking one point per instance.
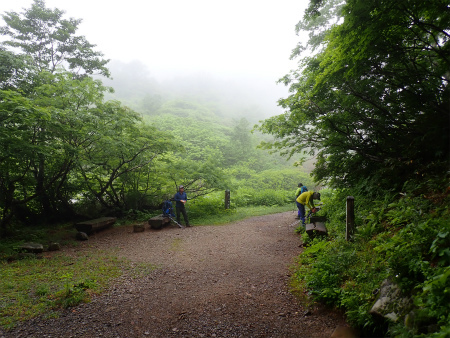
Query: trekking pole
point(179, 225)
point(291, 225)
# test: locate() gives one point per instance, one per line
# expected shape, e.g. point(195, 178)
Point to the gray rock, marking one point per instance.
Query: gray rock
point(54, 247)
point(82, 236)
point(390, 303)
point(32, 247)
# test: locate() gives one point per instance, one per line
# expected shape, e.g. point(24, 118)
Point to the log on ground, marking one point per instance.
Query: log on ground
point(94, 225)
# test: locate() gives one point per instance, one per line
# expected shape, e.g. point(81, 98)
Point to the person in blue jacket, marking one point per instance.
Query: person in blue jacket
point(180, 199)
point(301, 189)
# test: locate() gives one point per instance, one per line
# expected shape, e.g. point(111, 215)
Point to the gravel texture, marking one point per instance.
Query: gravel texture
point(211, 281)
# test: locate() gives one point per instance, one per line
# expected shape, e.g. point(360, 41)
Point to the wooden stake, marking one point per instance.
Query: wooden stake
point(227, 199)
point(350, 223)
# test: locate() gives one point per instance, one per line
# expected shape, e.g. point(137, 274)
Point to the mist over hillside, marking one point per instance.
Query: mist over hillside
point(229, 97)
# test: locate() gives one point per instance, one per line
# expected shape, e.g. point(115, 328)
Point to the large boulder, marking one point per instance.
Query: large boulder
point(32, 247)
point(158, 222)
point(391, 304)
point(94, 225)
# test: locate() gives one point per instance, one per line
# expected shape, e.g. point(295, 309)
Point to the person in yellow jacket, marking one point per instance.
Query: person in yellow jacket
point(307, 198)
point(301, 189)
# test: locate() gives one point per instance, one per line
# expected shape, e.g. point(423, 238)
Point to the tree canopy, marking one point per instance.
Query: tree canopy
point(373, 102)
point(50, 41)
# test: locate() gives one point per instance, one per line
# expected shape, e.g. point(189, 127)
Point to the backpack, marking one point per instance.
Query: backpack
point(167, 209)
point(303, 189)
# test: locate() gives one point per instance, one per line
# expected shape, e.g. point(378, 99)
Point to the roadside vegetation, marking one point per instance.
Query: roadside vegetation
point(400, 236)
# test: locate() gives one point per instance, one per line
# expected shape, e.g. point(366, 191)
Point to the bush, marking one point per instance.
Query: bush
point(266, 197)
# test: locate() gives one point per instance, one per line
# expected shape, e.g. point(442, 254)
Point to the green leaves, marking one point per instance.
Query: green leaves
point(50, 41)
point(370, 102)
point(64, 141)
point(401, 237)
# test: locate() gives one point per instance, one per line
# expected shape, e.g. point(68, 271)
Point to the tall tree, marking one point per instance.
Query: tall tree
point(374, 103)
point(20, 147)
point(51, 41)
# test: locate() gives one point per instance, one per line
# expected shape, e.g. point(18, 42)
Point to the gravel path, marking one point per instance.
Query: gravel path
point(212, 281)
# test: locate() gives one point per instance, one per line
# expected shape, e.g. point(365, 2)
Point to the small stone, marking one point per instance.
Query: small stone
point(138, 228)
point(344, 332)
point(82, 236)
point(54, 247)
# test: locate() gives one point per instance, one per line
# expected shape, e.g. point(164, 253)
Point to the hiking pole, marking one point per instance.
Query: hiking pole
point(179, 225)
point(290, 225)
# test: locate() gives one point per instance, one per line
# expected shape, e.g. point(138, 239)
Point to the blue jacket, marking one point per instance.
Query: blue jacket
point(178, 197)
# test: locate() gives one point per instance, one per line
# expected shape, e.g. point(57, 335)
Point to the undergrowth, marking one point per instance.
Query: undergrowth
point(402, 237)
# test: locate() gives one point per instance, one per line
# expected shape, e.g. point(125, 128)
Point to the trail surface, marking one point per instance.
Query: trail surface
point(211, 281)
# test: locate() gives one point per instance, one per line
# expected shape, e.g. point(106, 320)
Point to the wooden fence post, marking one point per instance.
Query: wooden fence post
point(227, 199)
point(350, 223)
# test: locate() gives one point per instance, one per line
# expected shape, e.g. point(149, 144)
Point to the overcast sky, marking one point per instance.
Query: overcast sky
point(232, 38)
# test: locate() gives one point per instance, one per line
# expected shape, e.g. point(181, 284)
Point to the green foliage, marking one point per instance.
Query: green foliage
point(73, 294)
point(280, 179)
point(361, 100)
point(61, 145)
point(65, 142)
point(208, 205)
point(266, 197)
point(237, 214)
point(14, 70)
point(403, 237)
point(50, 40)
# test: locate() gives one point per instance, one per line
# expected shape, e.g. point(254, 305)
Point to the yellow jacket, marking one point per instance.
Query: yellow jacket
point(306, 199)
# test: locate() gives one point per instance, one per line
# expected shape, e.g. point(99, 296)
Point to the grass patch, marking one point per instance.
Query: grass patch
point(33, 287)
point(175, 245)
point(237, 214)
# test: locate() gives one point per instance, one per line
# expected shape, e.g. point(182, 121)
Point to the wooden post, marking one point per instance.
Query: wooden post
point(350, 223)
point(227, 199)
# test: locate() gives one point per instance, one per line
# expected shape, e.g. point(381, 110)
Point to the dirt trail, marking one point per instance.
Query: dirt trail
point(212, 281)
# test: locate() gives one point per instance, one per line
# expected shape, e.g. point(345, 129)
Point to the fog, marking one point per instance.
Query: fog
point(243, 43)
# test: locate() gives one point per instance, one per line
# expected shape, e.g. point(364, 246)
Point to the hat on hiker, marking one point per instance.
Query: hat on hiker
point(181, 187)
point(300, 184)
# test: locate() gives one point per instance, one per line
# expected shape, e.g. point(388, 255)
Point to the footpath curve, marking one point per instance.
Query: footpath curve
point(211, 281)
